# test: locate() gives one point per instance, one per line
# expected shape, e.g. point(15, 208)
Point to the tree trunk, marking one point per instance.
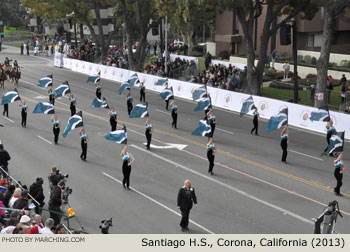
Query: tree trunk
point(81, 30)
point(332, 12)
point(101, 37)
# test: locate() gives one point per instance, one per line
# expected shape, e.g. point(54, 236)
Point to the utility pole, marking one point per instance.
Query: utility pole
point(295, 57)
point(166, 44)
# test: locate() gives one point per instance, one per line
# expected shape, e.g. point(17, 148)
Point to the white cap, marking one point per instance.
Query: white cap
point(25, 219)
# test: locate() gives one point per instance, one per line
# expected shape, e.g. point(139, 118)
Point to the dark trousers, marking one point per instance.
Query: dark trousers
point(149, 138)
point(72, 110)
point(113, 123)
point(56, 132)
point(185, 214)
point(130, 107)
point(174, 123)
point(328, 141)
point(83, 150)
point(52, 100)
point(284, 146)
point(6, 110)
point(339, 177)
point(24, 119)
point(126, 174)
point(255, 122)
point(212, 125)
point(98, 95)
point(167, 104)
point(56, 217)
point(142, 97)
point(211, 158)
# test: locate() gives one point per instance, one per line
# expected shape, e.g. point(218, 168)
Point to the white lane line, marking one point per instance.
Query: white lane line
point(161, 111)
point(280, 209)
point(44, 139)
point(158, 203)
point(225, 131)
point(306, 155)
point(8, 119)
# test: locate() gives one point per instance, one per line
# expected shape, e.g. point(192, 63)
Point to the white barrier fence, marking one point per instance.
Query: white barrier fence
point(298, 115)
point(228, 63)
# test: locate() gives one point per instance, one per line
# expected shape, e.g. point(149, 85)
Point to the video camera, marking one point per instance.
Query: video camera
point(65, 193)
point(106, 224)
point(57, 177)
point(328, 218)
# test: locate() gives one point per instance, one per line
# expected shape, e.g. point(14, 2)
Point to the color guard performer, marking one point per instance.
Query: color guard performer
point(142, 93)
point(128, 159)
point(56, 127)
point(98, 90)
point(174, 114)
point(113, 118)
point(148, 133)
point(52, 96)
point(339, 169)
point(73, 104)
point(24, 110)
point(211, 150)
point(84, 140)
point(212, 121)
point(129, 101)
point(284, 143)
point(255, 121)
point(330, 131)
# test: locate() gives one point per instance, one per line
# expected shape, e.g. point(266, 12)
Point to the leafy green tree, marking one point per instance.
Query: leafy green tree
point(247, 11)
point(186, 15)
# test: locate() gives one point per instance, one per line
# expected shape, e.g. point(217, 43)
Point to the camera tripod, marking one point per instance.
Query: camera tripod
point(65, 207)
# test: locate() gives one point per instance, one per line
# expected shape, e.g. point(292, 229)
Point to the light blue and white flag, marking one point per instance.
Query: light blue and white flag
point(123, 87)
point(203, 129)
point(278, 121)
point(10, 96)
point(139, 111)
point(336, 143)
point(118, 136)
point(44, 108)
point(75, 121)
point(46, 81)
point(203, 104)
point(162, 82)
point(134, 80)
point(322, 115)
point(97, 103)
point(247, 106)
point(199, 93)
point(94, 78)
point(62, 90)
point(166, 93)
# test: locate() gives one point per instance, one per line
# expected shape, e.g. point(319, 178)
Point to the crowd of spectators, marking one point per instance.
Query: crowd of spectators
point(219, 76)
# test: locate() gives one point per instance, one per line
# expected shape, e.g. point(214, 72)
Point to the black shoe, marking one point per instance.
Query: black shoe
point(183, 229)
point(124, 186)
point(128, 188)
point(186, 228)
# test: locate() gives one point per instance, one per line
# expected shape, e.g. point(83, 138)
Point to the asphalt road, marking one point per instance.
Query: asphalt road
point(251, 190)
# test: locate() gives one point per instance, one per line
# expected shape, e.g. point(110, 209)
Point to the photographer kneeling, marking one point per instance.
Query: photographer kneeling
point(56, 202)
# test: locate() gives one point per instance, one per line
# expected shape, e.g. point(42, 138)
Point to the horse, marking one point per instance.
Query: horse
point(3, 77)
point(15, 75)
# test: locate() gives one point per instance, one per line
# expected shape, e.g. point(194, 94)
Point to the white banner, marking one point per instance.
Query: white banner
point(228, 63)
point(298, 115)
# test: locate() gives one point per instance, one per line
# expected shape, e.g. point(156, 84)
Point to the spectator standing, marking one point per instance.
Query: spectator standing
point(343, 82)
point(56, 202)
point(273, 57)
point(4, 158)
point(37, 192)
point(286, 68)
point(329, 88)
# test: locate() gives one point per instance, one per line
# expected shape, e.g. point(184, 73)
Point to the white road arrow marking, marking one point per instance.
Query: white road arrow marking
point(169, 146)
point(40, 97)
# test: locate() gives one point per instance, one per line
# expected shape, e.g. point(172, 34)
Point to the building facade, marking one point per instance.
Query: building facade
point(229, 35)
